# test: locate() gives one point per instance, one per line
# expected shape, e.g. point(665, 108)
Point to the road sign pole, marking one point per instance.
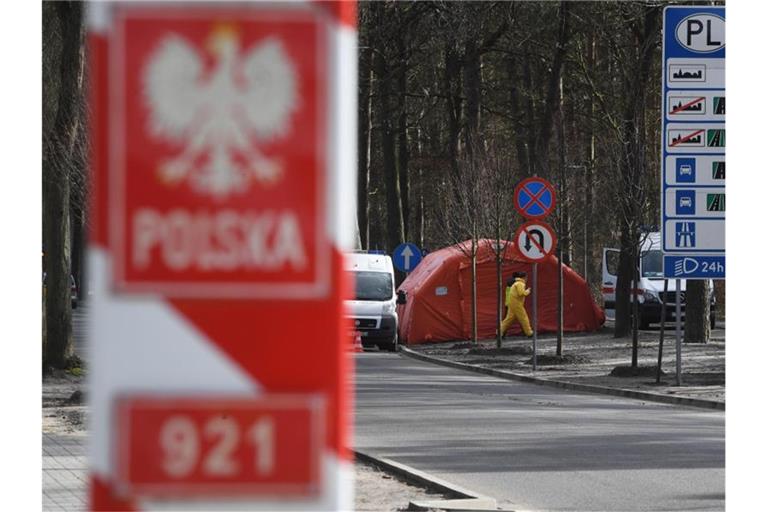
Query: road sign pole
point(535, 310)
point(678, 337)
point(661, 329)
point(560, 300)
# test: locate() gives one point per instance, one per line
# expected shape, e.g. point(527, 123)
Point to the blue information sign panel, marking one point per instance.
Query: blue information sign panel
point(406, 256)
point(695, 267)
point(693, 142)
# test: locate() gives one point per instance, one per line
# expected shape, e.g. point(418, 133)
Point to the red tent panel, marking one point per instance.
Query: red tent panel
point(439, 306)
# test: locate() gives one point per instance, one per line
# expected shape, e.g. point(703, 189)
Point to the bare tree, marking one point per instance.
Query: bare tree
point(464, 218)
point(497, 182)
point(493, 71)
point(63, 122)
point(365, 106)
point(626, 122)
point(553, 91)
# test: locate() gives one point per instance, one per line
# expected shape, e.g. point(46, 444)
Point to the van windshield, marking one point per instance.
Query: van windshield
point(652, 264)
point(372, 285)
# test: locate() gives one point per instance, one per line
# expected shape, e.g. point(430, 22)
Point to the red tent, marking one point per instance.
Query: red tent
point(439, 292)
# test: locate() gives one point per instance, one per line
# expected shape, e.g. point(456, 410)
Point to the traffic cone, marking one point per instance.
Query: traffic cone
point(358, 342)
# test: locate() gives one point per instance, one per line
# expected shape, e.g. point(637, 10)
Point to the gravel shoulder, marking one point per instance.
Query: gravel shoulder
point(377, 491)
point(590, 358)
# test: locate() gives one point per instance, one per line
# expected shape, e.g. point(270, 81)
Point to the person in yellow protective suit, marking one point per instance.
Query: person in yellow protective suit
point(515, 301)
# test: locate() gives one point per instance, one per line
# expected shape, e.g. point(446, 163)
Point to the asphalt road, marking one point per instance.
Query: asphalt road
point(536, 448)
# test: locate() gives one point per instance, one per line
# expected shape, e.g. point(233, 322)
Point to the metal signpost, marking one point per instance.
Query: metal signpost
point(693, 148)
point(535, 307)
point(534, 199)
point(208, 236)
point(406, 256)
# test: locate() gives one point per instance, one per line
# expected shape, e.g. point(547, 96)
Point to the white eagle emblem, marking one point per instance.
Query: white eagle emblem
point(219, 116)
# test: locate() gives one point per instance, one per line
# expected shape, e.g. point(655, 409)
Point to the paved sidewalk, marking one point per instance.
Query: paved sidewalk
point(589, 358)
point(64, 437)
point(65, 469)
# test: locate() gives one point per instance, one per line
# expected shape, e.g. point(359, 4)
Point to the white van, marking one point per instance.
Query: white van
point(373, 310)
point(650, 287)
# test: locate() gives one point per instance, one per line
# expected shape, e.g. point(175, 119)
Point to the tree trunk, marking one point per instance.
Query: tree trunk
point(590, 273)
point(58, 306)
point(402, 138)
point(364, 148)
point(623, 326)
point(565, 190)
point(472, 90)
point(474, 291)
point(453, 107)
point(635, 307)
point(697, 293)
point(395, 234)
point(517, 116)
point(632, 167)
point(562, 222)
point(530, 116)
point(420, 211)
point(499, 285)
point(552, 99)
point(62, 65)
point(78, 251)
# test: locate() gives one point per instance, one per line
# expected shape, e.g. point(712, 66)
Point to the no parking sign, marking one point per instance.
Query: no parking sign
point(217, 172)
point(534, 198)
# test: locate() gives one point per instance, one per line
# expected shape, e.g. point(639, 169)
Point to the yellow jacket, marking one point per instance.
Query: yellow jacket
point(517, 293)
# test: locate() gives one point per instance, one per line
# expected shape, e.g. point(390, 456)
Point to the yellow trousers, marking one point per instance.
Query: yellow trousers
point(516, 312)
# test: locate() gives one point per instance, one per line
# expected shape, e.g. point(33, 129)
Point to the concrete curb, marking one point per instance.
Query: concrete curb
point(462, 499)
point(626, 393)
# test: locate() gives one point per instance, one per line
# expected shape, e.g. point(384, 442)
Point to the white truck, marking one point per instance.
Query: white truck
point(650, 289)
point(373, 309)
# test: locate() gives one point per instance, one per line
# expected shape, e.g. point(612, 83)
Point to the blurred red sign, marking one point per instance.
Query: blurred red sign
point(196, 446)
point(211, 192)
point(220, 161)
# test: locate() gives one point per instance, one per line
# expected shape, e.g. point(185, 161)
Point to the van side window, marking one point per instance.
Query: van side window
point(612, 262)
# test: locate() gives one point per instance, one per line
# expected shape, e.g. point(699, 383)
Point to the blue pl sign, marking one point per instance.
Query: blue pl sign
point(693, 142)
point(695, 267)
point(406, 256)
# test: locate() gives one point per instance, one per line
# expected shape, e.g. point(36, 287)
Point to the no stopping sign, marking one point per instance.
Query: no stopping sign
point(534, 198)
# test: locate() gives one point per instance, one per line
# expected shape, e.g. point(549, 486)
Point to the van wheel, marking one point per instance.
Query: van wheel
point(391, 346)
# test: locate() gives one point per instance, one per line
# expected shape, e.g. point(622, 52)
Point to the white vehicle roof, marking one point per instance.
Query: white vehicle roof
point(369, 262)
point(652, 242)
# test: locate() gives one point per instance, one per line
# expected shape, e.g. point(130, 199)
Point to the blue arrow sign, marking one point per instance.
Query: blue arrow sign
point(406, 256)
